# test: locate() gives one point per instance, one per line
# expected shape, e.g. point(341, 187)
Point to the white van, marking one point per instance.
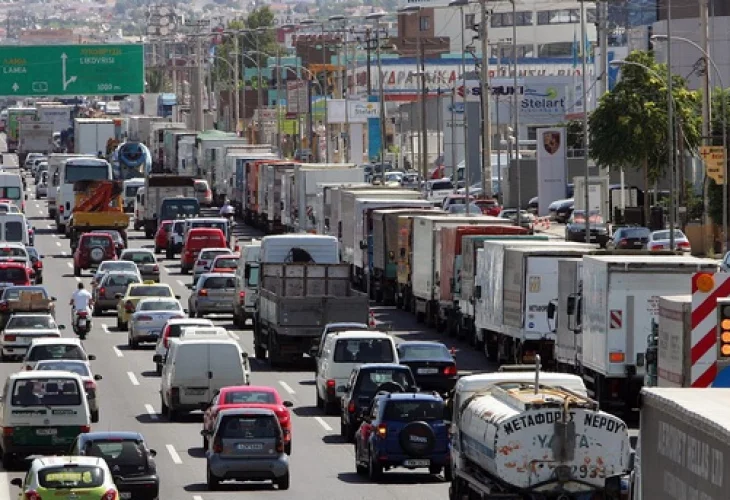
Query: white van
point(203, 332)
point(11, 188)
point(247, 283)
point(285, 248)
point(139, 209)
point(194, 370)
point(13, 228)
point(131, 186)
point(41, 413)
point(343, 352)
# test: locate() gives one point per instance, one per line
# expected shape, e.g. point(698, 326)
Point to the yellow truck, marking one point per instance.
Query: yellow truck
point(98, 205)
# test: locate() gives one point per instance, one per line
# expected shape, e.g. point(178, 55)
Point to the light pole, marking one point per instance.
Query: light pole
point(724, 130)
point(584, 97)
point(325, 87)
point(343, 90)
point(516, 117)
point(467, 163)
point(670, 137)
point(233, 68)
point(375, 16)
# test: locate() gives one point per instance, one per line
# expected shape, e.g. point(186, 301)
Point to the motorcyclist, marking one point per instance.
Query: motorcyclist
point(81, 300)
point(227, 209)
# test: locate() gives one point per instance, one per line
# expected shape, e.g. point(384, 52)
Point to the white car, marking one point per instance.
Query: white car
point(205, 261)
point(54, 348)
point(83, 370)
point(659, 240)
point(116, 266)
point(30, 159)
point(150, 317)
point(172, 330)
point(22, 329)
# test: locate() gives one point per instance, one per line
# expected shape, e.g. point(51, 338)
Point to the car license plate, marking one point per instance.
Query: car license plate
point(125, 494)
point(194, 391)
point(82, 323)
point(413, 462)
point(250, 447)
point(428, 371)
point(46, 432)
point(25, 340)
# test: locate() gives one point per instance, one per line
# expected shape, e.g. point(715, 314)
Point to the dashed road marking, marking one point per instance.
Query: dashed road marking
point(119, 353)
point(181, 282)
point(286, 387)
point(38, 205)
point(324, 424)
point(70, 264)
point(173, 454)
point(105, 327)
point(197, 497)
point(132, 378)
point(58, 243)
point(151, 411)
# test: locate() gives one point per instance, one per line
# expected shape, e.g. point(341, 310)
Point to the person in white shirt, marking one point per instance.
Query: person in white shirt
point(227, 209)
point(81, 300)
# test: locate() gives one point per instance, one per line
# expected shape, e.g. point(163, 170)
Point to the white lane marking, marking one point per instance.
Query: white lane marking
point(151, 411)
point(167, 270)
point(58, 243)
point(173, 454)
point(324, 424)
point(286, 387)
point(70, 264)
point(132, 378)
point(119, 353)
point(78, 279)
point(54, 234)
point(181, 282)
point(105, 327)
point(197, 497)
point(5, 485)
point(38, 205)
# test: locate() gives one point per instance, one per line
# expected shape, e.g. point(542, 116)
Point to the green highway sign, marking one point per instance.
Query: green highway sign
point(62, 70)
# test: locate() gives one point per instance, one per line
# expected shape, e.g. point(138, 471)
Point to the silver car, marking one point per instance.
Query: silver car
point(111, 284)
point(150, 317)
point(20, 331)
point(205, 261)
point(114, 265)
point(246, 444)
point(83, 370)
point(213, 293)
point(146, 262)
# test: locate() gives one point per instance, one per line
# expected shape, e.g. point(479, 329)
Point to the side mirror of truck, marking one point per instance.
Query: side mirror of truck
point(157, 358)
point(570, 306)
point(551, 309)
point(363, 244)
point(26, 196)
point(478, 292)
point(613, 487)
point(247, 272)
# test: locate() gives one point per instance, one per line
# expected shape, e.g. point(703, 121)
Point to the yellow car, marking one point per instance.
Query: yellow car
point(135, 292)
point(77, 478)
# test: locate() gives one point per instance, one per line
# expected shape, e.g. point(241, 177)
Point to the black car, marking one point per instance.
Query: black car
point(575, 229)
point(563, 210)
point(365, 382)
point(431, 363)
point(128, 457)
point(629, 238)
point(36, 260)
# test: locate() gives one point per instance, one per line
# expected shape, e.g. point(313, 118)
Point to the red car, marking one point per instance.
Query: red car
point(15, 274)
point(197, 239)
point(225, 263)
point(249, 396)
point(92, 250)
point(163, 232)
point(489, 206)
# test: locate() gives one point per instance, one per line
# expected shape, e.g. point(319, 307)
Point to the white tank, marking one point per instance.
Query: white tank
point(520, 437)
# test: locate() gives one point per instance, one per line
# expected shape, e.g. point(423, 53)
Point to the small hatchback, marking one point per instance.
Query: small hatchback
point(213, 294)
point(196, 240)
point(111, 285)
point(77, 478)
point(246, 445)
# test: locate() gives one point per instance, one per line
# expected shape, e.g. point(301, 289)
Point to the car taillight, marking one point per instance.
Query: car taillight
point(280, 446)
point(3, 306)
point(144, 318)
point(85, 428)
point(38, 264)
point(9, 337)
point(683, 244)
point(203, 293)
point(331, 385)
point(129, 307)
point(156, 268)
point(166, 337)
point(657, 247)
point(450, 371)
point(382, 431)
point(60, 209)
point(217, 445)
point(241, 297)
point(32, 495)
point(208, 193)
point(90, 385)
point(109, 495)
point(175, 395)
point(623, 242)
point(351, 407)
point(102, 291)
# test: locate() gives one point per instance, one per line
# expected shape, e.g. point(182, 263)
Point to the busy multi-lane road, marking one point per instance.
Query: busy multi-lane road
point(322, 465)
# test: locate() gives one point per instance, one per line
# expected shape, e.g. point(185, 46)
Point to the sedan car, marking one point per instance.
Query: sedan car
point(659, 240)
point(629, 238)
point(205, 261)
point(146, 262)
point(110, 286)
point(225, 263)
point(127, 453)
point(249, 396)
point(22, 329)
point(575, 229)
point(114, 266)
point(136, 292)
point(432, 363)
point(83, 370)
point(36, 262)
point(73, 477)
point(526, 218)
point(213, 293)
point(150, 317)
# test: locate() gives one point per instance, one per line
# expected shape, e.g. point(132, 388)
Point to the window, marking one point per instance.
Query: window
point(424, 23)
point(56, 351)
point(245, 427)
point(98, 241)
point(76, 172)
point(65, 478)
point(119, 452)
point(30, 322)
point(46, 392)
point(160, 305)
point(370, 380)
point(425, 352)
point(363, 351)
point(410, 411)
point(558, 49)
point(140, 257)
point(13, 293)
point(227, 263)
point(10, 193)
point(14, 231)
point(12, 252)
point(503, 19)
point(131, 191)
point(562, 16)
point(65, 366)
point(150, 291)
point(253, 276)
point(13, 275)
point(470, 20)
point(220, 282)
point(239, 397)
point(506, 51)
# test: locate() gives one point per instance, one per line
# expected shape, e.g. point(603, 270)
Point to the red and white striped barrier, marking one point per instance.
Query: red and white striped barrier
point(541, 224)
point(706, 289)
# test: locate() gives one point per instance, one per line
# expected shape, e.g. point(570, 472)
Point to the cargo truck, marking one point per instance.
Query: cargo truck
point(302, 287)
point(207, 150)
point(156, 144)
point(674, 359)
point(270, 188)
point(426, 271)
point(140, 126)
point(235, 169)
point(615, 312)
point(34, 137)
point(16, 116)
point(92, 134)
point(174, 152)
point(98, 205)
point(683, 444)
point(324, 208)
point(58, 114)
point(515, 282)
point(568, 345)
point(157, 188)
point(225, 166)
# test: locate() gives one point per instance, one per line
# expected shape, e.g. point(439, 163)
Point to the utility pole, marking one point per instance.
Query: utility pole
point(381, 95)
point(602, 12)
point(199, 114)
point(706, 114)
point(670, 133)
point(584, 98)
point(237, 109)
point(424, 93)
point(486, 113)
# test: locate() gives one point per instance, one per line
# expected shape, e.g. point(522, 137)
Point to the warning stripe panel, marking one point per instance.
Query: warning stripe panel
point(704, 329)
point(709, 304)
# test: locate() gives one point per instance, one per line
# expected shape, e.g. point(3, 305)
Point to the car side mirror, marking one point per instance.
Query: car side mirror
point(177, 297)
point(204, 406)
point(53, 299)
point(16, 481)
point(153, 453)
point(185, 311)
point(244, 355)
point(205, 433)
point(157, 358)
point(478, 292)
point(61, 327)
point(189, 286)
point(98, 377)
point(288, 404)
point(91, 357)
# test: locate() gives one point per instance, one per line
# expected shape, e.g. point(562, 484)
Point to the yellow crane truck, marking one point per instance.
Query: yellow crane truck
point(98, 205)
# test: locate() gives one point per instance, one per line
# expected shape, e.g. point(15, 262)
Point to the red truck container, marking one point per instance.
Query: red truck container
point(451, 252)
point(251, 202)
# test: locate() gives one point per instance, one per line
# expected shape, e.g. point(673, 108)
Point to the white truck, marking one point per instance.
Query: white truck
point(270, 195)
point(140, 126)
point(225, 166)
point(520, 439)
point(156, 144)
point(35, 137)
point(55, 166)
point(683, 444)
point(426, 247)
point(327, 192)
point(92, 134)
point(158, 187)
point(58, 114)
point(207, 146)
point(619, 301)
point(568, 345)
point(515, 282)
point(674, 357)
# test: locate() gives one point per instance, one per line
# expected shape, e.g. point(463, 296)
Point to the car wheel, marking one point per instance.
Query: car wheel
point(157, 249)
point(448, 473)
point(360, 469)
point(205, 443)
point(344, 429)
point(287, 448)
point(375, 470)
point(283, 482)
point(77, 271)
point(97, 311)
point(213, 482)
point(171, 414)
point(163, 406)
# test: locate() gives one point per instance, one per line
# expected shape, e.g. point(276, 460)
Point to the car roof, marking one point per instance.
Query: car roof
point(31, 288)
point(217, 275)
point(246, 411)
point(190, 321)
point(249, 388)
point(411, 396)
point(382, 366)
point(29, 313)
point(144, 250)
point(56, 341)
point(370, 334)
point(408, 343)
point(345, 324)
point(42, 462)
point(205, 230)
point(45, 373)
point(107, 435)
point(145, 284)
point(75, 361)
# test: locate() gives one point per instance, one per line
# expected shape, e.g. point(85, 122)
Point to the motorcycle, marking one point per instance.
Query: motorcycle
point(82, 324)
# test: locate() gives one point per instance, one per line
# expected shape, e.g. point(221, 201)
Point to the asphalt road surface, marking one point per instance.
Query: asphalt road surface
point(322, 465)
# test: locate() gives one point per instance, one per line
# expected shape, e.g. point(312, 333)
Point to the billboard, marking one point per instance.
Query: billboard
point(551, 167)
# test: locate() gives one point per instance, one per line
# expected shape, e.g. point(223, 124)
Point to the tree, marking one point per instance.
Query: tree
point(628, 129)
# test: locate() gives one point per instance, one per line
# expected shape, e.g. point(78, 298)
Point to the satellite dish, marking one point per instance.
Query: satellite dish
point(164, 21)
point(163, 30)
point(163, 11)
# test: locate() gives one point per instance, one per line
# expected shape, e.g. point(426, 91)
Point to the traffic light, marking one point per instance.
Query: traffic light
point(723, 326)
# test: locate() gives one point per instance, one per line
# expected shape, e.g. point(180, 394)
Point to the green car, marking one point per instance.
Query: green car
point(66, 478)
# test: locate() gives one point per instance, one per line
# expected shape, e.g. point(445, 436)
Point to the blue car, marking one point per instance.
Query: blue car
point(403, 430)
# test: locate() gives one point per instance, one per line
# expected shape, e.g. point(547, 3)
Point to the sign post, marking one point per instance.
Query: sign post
point(69, 70)
point(714, 159)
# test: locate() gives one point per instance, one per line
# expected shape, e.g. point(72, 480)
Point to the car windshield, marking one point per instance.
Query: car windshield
point(177, 208)
point(253, 276)
point(10, 193)
point(410, 411)
point(370, 380)
point(117, 265)
point(13, 293)
point(424, 352)
point(159, 305)
point(248, 427)
point(635, 233)
point(98, 241)
point(460, 208)
point(14, 231)
point(114, 234)
point(30, 322)
point(56, 351)
point(220, 282)
point(664, 235)
point(118, 279)
point(117, 452)
point(363, 351)
point(227, 263)
point(80, 369)
point(139, 257)
point(13, 275)
point(131, 191)
point(166, 226)
point(175, 330)
point(241, 397)
point(74, 476)
point(201, 186)
point(8, 208)
point(42, 391)
point(212, 254)
point(150, 291)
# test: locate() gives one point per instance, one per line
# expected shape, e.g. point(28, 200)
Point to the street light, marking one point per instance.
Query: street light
point(376, 16)
point(670, 138)
point(664, 38)
point(467, 169)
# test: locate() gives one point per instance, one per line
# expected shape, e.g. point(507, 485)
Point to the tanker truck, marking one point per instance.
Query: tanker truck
point(131, 160)
point(521, 439)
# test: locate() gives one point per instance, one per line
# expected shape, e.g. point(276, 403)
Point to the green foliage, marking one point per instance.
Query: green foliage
point(155, 78)
point(629, 126)
point(574, 134)
point(714, 193)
